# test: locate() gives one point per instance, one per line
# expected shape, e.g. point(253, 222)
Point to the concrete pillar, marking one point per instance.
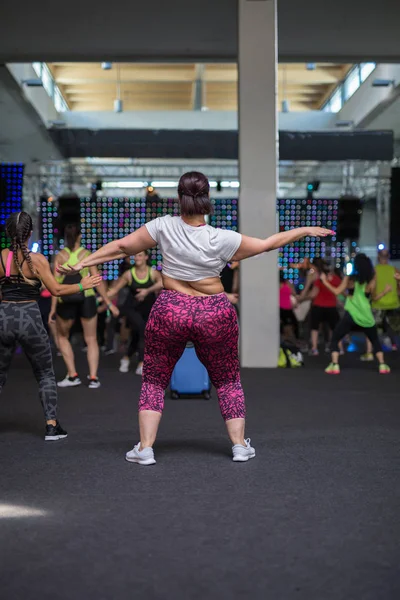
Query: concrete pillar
point(258, 142)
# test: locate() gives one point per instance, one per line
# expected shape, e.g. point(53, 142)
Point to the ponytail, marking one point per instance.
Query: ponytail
point(71, 233)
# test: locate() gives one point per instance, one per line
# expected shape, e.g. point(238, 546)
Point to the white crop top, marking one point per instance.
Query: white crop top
point(192, 253)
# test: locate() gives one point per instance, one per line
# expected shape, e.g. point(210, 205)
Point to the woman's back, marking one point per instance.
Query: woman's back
point(13, 286)
point(193, 255)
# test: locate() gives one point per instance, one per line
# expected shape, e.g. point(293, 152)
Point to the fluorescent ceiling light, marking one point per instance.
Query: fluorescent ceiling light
point(124, 184)
point(213, 184)
point(230, 184)
point(164, 184)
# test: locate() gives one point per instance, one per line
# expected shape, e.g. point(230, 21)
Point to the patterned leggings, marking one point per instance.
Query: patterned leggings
point(210, 322)
point(21, 323)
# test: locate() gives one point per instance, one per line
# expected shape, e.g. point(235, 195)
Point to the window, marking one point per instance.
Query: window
point(37, 68)
point(366, 70)
point(59, 101)
point(352, 83)
point(336, 100)
point(47, 80)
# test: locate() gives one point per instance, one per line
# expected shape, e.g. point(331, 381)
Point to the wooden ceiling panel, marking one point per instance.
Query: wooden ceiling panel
point(148, 86)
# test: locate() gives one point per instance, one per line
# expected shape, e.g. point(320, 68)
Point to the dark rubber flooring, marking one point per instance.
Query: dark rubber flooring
point(314, 516)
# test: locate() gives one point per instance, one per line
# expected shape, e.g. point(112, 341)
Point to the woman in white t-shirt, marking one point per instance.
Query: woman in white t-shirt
point(192, 306)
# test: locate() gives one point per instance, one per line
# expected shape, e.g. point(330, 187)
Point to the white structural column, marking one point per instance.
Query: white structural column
point(258, 143)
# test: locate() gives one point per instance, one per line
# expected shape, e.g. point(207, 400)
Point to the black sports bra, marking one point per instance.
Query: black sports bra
point(15, 289)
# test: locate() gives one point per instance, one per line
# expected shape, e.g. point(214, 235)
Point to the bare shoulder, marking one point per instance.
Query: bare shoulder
point(83, 253)
point(61, 257)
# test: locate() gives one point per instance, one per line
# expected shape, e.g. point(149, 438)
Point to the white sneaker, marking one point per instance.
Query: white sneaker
point(124, 365)
point(243, 453)
point(69, 382)
point(142, 457)
point(139, 369)
point(94, 383)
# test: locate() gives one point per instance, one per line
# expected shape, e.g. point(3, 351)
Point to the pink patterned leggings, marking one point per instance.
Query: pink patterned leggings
point(210, 322)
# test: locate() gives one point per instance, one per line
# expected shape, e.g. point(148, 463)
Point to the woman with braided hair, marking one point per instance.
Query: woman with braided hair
point(192, 307)
point(21, 277)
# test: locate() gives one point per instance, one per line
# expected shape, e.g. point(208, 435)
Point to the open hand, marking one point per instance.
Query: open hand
point(68, 270)
point(319, 232)
point(141, 295)
point(91, 281)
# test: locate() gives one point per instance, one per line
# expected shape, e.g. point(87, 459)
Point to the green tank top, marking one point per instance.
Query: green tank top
point(385, 275)
point(73, 259)
point(359, 307)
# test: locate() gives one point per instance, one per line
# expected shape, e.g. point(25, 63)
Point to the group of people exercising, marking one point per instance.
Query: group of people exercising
point(364, 295)
point(191, 306)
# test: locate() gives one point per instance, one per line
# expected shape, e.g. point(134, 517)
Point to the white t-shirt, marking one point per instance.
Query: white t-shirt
point(192, 253)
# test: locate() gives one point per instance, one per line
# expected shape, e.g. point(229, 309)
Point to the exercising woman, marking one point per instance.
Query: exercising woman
point(143, 283)
point(324, 303)
point(21, 277)
point(82, 306)
point(192, 306)
point(358, 312)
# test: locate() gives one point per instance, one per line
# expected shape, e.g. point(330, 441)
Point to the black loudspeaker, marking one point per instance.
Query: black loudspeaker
point(349, 218)
point(69, 209)
point(394, 239)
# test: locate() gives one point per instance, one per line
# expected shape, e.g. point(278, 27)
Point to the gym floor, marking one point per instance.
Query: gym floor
point(314, 516)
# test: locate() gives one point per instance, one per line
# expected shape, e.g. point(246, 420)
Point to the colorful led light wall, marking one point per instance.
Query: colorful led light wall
point(11, 183)
point(106, 219)
point(309, 212)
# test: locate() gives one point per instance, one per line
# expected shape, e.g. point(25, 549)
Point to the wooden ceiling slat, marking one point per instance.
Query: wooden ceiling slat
point(86, 86)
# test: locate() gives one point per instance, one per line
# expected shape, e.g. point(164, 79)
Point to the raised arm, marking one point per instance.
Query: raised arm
point(253, 246)
point(121, 282)
point(335, 290)
point(59, 289)
point(131, 244)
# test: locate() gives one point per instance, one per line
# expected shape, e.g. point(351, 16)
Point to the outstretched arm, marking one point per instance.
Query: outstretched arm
point(335, 290)
point(254, 246)
point(131, 244)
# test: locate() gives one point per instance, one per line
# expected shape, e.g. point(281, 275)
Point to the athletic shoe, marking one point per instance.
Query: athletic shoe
point(124, 365)
point(54, 433)
point(243, 453)
point(367, 357)
point(141, 457)
point(139, 369)
point(314, 352)
point(69, 381)
point(333, 369)
point(94, 382)
point(384, 369)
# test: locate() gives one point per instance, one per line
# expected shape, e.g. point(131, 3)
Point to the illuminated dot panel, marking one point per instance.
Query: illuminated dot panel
point(11, 182)
point(49, 232)
point(312, 213)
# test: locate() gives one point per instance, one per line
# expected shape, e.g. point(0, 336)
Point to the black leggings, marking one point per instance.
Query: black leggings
point(345, 325)
point(21, 323)
point(137, 325)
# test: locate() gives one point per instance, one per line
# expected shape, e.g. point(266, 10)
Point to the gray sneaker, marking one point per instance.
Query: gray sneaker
point(142, 457)
point(243, 453)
